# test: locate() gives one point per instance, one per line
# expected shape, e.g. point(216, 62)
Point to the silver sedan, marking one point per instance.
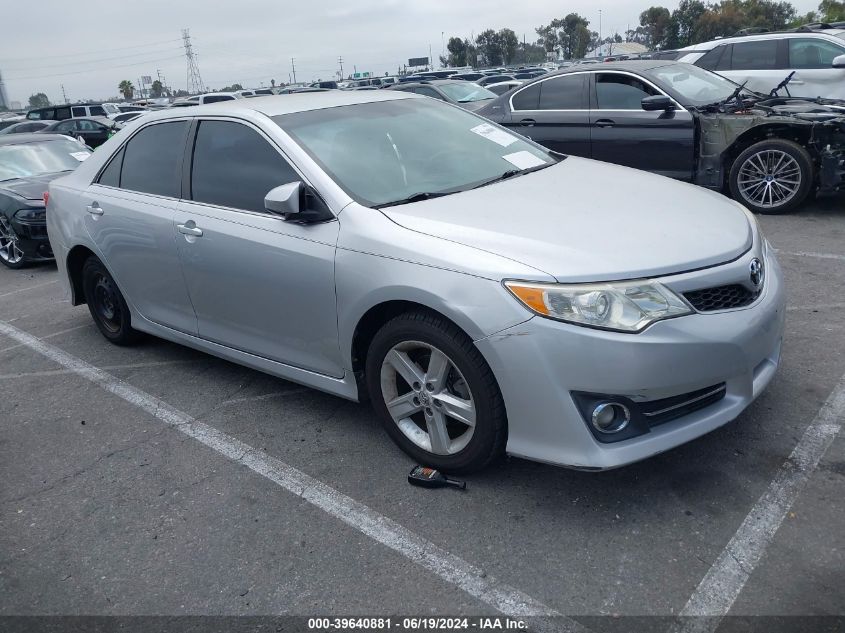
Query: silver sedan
point(486, 295)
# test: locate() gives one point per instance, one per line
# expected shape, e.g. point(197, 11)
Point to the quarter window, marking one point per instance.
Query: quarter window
point(759, 55)
point(710, 60)
point(563, 93)
point(808, 53)
point(621, 92)
point(527, 98)
point(234, 166)
point(153, 160)
point(110, 176)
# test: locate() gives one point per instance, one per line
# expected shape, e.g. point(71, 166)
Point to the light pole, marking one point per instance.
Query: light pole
point(599, 30)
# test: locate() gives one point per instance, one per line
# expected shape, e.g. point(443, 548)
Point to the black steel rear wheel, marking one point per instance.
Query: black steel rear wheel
point(106, 304)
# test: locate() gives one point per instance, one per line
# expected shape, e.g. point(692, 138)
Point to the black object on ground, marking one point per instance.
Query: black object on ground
point(430, 478)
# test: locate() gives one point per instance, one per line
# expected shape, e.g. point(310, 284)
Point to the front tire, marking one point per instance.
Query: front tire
point(435, 394)
point(106, 304)
point(11, 254)
point(772, 176)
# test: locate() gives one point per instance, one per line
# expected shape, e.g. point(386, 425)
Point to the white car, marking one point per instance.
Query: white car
point(817, 58)
point(210, 97)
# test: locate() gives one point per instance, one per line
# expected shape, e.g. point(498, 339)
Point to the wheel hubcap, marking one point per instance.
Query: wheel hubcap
point(769, 179)
point(428, 397)
point(107, 304)
point(9, 247)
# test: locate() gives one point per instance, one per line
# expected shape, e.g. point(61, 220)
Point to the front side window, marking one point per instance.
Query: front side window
point(382, 153)
point(67, 126)
point(153, 160)
point(760, 55)
point(234, 166)
point(563, 93)
point(98, 111)
point(621, 92)
point(813, 53)
point(694, 86)
point(62, 114)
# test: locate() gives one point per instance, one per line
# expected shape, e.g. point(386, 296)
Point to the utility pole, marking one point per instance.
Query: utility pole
point(340, 61)
point(430, 60)
point(64, 96)
point(599, 30)
point(293, 69)
point(194, 80)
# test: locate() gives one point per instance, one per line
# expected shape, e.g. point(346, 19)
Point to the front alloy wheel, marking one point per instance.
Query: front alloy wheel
point(772, 176)
point(10, 251)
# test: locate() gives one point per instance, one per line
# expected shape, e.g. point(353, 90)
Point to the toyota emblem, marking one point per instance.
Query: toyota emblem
point(757, 273)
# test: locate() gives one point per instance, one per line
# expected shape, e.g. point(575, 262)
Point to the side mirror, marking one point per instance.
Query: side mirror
point(657, 102)
point(285, 199)
point(296, 202)
point(839, 61)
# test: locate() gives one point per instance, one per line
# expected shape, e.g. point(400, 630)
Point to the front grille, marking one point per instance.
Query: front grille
point(721, 298)
point(661, 411)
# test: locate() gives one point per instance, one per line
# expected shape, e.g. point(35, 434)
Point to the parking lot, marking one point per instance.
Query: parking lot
point(159, 480)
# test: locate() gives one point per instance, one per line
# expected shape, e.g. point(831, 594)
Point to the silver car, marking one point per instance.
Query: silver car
point(486, 295)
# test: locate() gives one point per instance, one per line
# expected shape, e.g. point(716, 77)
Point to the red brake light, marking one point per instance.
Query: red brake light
point(46, 197)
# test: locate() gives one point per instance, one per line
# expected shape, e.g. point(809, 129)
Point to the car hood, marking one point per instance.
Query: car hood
point(583, 220)
point(31, 188)
point(472, 106)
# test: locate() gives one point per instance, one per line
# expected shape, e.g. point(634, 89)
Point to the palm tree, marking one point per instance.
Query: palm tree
point(126, 88)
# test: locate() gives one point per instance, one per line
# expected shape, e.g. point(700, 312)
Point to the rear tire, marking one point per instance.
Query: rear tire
point(772, 176)
point(447, 411)
point(106, 304)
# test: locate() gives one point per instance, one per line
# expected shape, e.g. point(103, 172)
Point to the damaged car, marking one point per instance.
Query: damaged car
point(768, 152)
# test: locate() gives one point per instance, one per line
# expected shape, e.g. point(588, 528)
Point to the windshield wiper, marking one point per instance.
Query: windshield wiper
point(416, 197)
point(782, 86)
point(510, 173)
point(719, 105)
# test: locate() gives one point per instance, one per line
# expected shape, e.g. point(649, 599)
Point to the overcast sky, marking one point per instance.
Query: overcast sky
point(91, 47)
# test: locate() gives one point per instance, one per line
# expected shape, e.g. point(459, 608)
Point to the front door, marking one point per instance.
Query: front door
point(130, 214)
point(662, 142)
point(258, 284)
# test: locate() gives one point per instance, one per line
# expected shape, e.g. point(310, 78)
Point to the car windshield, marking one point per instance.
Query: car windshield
point(694, 85)
point(45, 157)
point(464, 93)
point(385, 152)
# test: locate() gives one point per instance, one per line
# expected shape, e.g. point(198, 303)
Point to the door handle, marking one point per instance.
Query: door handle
point(94, 209)
point(189, 230)
point(527, 122)
point(605, 123)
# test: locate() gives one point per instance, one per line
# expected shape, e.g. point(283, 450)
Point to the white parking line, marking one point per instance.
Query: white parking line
point(719, 589)
point(54, 334)
point(424, 553)
point(14, 292)
point(266, 396)
point(813, 254)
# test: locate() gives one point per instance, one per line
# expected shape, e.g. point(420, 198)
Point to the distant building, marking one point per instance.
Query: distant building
point(4, 99)
point(617, 48)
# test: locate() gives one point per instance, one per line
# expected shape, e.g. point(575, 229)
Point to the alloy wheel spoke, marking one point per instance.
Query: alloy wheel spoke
point(438, 370)
point(405, 367)
point(437, 433)
point(457, 408)
point(403, 406)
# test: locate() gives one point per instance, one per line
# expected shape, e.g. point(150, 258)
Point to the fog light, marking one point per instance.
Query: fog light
point(610, 417)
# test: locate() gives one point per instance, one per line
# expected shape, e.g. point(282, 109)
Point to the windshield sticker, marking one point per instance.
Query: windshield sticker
point(524, 160)
point(80, 156)
point(494, 134)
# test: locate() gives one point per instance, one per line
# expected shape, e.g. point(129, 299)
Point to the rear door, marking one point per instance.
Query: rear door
point(259, 284)
point(760, 63)
point(93, 133)
point(130, 216)
point(554, 112)
point(662, 142)
point(812, 61)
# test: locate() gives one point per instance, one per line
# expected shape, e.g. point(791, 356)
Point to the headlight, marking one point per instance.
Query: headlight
point(31, 215)
point(627, 306)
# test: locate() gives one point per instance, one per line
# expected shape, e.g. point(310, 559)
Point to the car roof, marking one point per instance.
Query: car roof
point(636, 65)
point(97, 118)
point(826, 34)
point(286, 104)
point(30, 137)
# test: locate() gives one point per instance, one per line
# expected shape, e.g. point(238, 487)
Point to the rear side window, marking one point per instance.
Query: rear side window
point(110, 176)
point(761, 55)
point(78, 111)
point(216, 98)
point(97, 111)
point(621, 92)
point(234, 166)
point(812, 53)
point(711, 59)
point(527, 98)
point(62, 114)
point(563, 93)
point(153, 160)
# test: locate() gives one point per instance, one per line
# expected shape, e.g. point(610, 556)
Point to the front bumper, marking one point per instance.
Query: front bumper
point(32, 239)
point(540, 362)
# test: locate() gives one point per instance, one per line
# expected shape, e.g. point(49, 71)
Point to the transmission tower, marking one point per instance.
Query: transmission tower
point(4, 99)
point(195, 85)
